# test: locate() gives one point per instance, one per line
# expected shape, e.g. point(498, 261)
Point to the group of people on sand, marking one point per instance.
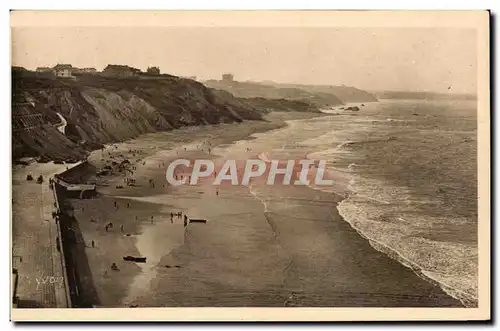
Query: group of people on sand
point(110, 225)
point(179, 215)
point(115, 204)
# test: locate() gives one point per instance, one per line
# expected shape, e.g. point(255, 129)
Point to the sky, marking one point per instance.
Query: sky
point(374, 59)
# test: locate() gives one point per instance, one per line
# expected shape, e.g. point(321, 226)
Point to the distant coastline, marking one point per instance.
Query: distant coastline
point(412, 95)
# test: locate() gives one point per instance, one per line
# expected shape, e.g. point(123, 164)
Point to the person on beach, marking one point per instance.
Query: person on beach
point(151, 219)
point(136, 218)
point(128, 205)
point(93, 244)
point(217, 191)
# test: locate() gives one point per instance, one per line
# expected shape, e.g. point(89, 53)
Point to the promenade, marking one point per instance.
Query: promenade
point(35, 252)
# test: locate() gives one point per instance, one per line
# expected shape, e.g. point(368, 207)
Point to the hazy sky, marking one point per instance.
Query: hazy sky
point(417, 59)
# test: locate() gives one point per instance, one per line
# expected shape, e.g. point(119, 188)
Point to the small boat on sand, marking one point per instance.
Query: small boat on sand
point(197, 220)
point(134, 259)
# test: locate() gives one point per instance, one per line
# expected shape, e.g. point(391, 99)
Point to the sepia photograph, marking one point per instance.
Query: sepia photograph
point(250, 165)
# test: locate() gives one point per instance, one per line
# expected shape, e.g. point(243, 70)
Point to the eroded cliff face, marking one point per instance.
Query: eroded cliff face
point(100, 110)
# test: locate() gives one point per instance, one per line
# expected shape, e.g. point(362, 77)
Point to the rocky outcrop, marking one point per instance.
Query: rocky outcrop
point(101, 110)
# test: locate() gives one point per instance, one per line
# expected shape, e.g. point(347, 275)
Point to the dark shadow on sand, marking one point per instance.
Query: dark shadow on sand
point(82, 289)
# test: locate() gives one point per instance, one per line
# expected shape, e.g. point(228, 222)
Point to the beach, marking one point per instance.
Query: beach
point(264, 246)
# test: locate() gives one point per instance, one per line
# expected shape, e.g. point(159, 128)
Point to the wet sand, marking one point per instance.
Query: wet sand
point(278, 248)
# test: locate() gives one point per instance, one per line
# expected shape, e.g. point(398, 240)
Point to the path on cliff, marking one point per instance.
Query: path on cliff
point(62, 127)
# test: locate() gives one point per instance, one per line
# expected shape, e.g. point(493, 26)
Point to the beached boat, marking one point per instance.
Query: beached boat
point(134, 259)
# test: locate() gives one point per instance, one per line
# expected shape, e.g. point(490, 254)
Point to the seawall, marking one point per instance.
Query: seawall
point(69, 236)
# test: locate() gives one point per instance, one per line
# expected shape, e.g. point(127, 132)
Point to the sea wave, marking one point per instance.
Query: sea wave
point(448, 264)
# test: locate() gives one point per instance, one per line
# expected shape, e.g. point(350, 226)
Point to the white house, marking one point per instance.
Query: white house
point(63, 70)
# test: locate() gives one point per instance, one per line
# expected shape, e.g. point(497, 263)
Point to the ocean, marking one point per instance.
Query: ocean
point(413, 182)
point(408, 172)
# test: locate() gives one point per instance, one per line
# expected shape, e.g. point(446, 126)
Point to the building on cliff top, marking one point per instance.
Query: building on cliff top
point(115, 70)
point(153, 70)
point(63, 70)
point(227, 78)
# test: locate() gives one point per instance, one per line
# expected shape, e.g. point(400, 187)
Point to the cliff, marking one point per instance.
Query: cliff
point(346, 94)
point(284, 105)
point(93, 110)
point(258, 90)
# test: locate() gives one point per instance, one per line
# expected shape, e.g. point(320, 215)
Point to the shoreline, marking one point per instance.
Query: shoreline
point(464, 297)
point(446, 260)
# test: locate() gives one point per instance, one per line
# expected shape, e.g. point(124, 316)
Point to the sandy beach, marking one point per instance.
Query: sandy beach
point(140, 227)
point(260, 246)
